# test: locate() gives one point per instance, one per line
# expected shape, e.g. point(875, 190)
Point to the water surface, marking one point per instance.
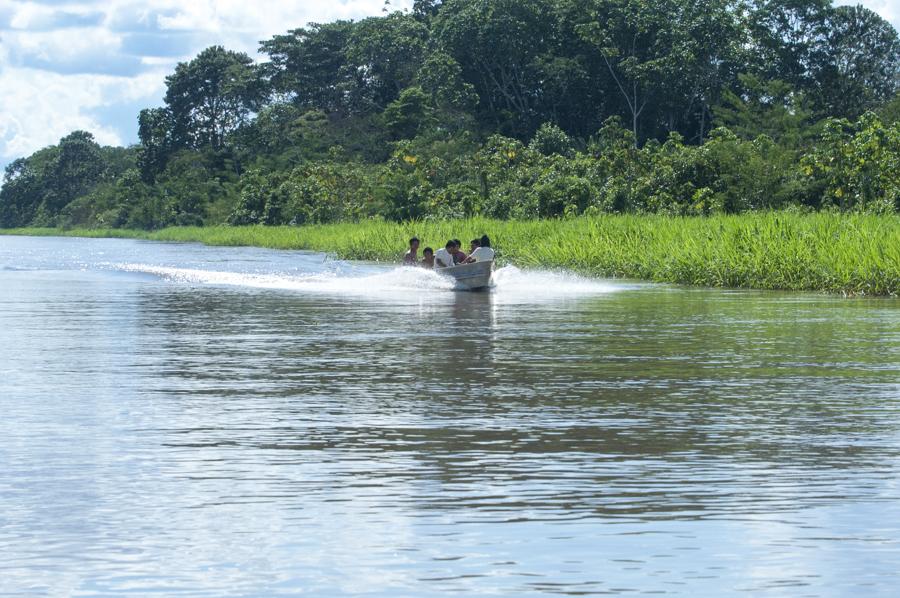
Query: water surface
point(180, 420)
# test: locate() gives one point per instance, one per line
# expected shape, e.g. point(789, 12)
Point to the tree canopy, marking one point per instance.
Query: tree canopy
point(512, 108)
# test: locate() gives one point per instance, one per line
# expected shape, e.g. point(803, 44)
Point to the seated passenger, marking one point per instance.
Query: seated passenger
point(411, 257)
point(427, 258)
point(484, 253)
point(458, 256)
point(473, 245)
point(444, 257)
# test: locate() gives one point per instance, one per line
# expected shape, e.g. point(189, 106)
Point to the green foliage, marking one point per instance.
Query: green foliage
point(408, 114)
point(386, 54)
point(890, 112)
point(844, 59)
point(503, 108)
point(856, 166)
point(308, 66)
point(772, 108)
point(496, 44)
point(211, 96)
point(549, 139)
point(861, 66)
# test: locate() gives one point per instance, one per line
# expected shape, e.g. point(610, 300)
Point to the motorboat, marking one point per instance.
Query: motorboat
point(470, 277)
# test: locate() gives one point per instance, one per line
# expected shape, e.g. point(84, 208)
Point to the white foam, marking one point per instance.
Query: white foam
point(510, 283)
point(511, 278)
point(513, 284)
point(399, 279)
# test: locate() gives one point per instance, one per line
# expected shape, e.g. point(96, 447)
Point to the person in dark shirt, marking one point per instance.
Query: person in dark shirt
point(458, 256)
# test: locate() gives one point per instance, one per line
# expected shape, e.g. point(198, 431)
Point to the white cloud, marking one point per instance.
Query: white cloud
point(37, 108)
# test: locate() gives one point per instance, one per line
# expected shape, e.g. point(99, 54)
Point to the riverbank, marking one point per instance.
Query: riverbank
point(850, 254)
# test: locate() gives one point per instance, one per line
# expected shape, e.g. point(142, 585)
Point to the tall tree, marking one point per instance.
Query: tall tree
point(77, 169)
point(645, 48)
point(308, 66)
point(496, 42)
point(21, 193)
point(155, 130)
point(708, 53)
point(788, 38)
point(756, 107)
point(385, 53)
point(860, 67)
point(211, 96)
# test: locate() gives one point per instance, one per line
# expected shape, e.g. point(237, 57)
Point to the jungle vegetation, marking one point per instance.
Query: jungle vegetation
point(503, 109)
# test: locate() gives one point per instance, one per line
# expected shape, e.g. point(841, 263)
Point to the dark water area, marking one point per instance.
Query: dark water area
point(179, 420)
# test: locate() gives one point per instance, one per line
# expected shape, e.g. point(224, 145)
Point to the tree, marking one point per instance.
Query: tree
point(155, 130)
point(406, 115)
point(424, 10)
point(707, 54)
point(308, 66)
point(890, 112)
point(787, 39)
point(211, 96)
point(440, 78)
point(772, 108)
point(550, 139)
point(385, 53)
point(642, 45)
point(21, 193)
point(496, 42)
point(76, 170)
point(860, 66)
point(856, 164)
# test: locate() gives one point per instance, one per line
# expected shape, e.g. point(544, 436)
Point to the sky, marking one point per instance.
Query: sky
point(93, 65)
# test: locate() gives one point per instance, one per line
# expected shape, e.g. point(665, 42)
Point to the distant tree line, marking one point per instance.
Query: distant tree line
point(504, 108)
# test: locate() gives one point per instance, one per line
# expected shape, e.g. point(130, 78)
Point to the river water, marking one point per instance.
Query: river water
point(179, 420)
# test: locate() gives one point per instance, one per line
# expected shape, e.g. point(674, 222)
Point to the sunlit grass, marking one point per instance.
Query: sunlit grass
point(853, 254)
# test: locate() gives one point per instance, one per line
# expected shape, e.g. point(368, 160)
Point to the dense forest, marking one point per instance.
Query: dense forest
point(503, 109)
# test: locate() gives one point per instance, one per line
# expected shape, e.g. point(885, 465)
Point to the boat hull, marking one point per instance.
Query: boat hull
point(470, 277)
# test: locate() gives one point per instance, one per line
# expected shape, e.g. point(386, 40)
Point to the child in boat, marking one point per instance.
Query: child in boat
point(484, 252)
point(411, 257)
point(427, 258)
point(444, 257)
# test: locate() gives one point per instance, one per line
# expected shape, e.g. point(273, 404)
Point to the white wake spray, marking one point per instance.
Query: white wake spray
point(510, 284)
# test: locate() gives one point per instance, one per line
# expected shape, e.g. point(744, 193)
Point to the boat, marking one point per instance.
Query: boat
point(469, 277)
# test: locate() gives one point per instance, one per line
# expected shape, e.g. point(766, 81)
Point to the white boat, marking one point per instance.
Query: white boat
point(470, 277)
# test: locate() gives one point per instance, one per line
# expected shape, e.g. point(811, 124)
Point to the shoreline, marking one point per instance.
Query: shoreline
point(854, 254)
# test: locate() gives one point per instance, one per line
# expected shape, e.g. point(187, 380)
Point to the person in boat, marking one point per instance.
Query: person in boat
point(473, 245)
point(444, 257)
point(411, 257)
point(484, 252)
point(427, 258)
point(458, 256)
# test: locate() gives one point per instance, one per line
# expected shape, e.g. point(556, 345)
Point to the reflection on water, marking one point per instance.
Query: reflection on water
point(183, 420)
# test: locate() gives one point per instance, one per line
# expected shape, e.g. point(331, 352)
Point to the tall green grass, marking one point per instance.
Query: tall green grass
point(851, 254)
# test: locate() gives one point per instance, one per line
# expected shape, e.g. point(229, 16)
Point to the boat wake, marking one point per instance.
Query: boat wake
point(509, 283)
point(512, 281)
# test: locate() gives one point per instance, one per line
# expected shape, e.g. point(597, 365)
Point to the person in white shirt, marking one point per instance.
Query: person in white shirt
point(443, 258)
point(484, 252)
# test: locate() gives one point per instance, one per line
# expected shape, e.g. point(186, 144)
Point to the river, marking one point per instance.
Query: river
point(180, 420)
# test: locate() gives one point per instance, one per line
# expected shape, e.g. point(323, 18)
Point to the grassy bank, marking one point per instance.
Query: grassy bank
point(853, 254)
